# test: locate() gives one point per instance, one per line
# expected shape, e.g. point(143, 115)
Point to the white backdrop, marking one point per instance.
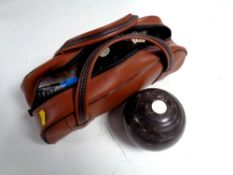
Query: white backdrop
point(30, 33)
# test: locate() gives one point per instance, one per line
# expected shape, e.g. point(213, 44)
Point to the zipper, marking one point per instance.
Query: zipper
point(100, 34)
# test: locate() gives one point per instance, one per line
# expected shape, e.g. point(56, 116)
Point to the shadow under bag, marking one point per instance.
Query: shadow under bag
point(98, 70)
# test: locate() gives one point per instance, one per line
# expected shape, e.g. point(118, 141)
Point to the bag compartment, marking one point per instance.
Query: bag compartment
point(59, 107)
point(59, 130)
point(55, 81)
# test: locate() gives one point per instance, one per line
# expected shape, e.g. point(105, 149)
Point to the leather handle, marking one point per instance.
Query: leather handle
point(99, 34)
point(82, 91)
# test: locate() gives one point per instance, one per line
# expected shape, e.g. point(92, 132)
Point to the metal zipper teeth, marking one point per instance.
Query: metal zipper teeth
point(101, 34)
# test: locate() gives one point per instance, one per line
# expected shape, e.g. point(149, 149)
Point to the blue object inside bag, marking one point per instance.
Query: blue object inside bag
point(51, 89)
point(69, 82)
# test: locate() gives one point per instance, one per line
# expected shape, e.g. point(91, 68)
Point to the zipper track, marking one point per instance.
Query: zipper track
point(100, 34)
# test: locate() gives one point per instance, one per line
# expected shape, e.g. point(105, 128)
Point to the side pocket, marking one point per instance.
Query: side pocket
point(59, 129)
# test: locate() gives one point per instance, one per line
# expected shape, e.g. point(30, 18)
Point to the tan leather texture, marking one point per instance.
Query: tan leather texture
point(111, 63)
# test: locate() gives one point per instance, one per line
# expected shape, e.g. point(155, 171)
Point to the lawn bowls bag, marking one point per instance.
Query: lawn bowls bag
point(95, 72)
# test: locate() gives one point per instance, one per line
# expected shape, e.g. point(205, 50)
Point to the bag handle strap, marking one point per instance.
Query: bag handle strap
point(82, 91)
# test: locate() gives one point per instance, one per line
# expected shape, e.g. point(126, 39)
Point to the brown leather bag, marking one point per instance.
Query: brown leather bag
point(111, 64)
